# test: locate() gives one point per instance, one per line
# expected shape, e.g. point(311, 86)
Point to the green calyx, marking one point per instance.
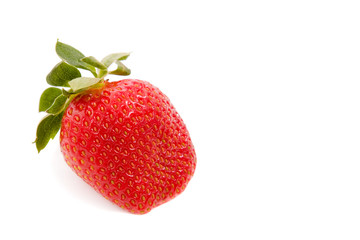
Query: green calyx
point(67, 82)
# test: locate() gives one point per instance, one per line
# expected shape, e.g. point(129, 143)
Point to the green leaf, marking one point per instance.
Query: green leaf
point(111, 58)
point(61, 74)
point(47, 129)
point(102, 73)
point(83, 82)
point(121, 69)
point(72, 56)
point(58, 105)
point(93, 62)
point(48, 97)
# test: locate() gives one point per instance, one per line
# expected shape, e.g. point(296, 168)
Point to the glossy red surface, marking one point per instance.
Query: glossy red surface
point(127, 141)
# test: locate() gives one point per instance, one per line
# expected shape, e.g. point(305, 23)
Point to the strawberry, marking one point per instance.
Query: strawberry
point(125, 139)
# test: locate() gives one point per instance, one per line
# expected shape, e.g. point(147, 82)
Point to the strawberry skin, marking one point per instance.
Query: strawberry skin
point(127, 141)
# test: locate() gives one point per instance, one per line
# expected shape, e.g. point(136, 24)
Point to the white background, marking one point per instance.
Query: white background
point(269, 91)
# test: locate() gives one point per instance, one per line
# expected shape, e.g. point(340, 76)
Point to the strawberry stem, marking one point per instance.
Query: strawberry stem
point(66, 74)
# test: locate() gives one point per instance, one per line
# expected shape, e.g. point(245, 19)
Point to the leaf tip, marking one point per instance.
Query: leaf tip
point(38, 148)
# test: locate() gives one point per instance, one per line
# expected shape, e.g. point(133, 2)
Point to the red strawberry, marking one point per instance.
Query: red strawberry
point(124, 138)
